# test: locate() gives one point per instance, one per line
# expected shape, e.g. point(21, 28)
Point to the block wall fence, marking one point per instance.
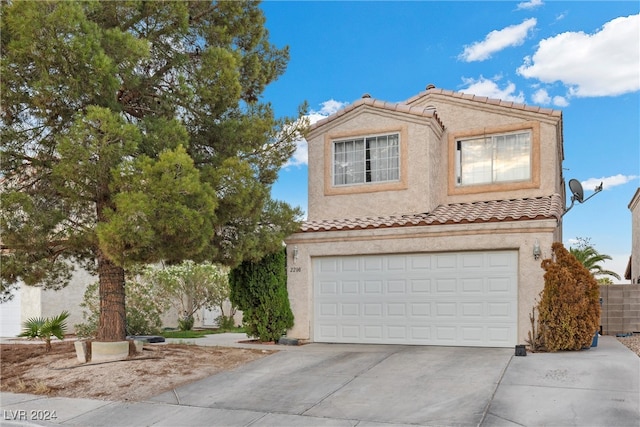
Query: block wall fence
point(620, 309)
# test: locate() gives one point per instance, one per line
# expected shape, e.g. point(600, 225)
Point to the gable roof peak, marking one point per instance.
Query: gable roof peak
point(432, 90)
point(368, 101)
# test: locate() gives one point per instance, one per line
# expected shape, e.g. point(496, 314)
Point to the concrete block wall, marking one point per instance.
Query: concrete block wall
point(620, 309)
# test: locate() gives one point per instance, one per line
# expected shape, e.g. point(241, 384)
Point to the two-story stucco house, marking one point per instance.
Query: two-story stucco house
point(427, 221)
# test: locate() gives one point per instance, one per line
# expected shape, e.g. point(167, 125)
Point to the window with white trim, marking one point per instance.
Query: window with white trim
point(493, 159)
point(366, 160)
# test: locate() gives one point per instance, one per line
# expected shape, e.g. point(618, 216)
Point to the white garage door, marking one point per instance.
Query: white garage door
point(456, 299)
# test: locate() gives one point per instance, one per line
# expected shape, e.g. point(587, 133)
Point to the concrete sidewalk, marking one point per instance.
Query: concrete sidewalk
point(376, 385)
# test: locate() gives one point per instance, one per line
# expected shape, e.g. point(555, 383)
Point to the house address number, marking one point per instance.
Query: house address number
point(295, 269)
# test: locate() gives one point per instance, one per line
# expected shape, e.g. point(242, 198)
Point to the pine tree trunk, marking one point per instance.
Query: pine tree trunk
point(112, 326)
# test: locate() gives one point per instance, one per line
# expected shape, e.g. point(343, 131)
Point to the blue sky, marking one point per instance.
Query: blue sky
point(581, 57)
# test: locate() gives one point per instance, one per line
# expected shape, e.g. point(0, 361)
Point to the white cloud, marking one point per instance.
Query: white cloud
point(301, 155)
point(607, 181)
point(497, 40)
point(560, 101)
point(531, 4)
point(542, 97)
point(605, 63)
point(489, 88)
point(331, 106)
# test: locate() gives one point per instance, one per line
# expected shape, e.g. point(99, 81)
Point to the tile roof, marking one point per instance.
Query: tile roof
point(486, 100)
point(408, 108)
point(389, 106)
point(457, 213)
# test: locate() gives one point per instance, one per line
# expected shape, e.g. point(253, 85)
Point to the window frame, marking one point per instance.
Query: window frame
point(491, 154)
point(534, 164)
point(368, 172)
point(365, 187)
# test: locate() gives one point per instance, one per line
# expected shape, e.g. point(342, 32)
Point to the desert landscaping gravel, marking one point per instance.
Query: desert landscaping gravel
point(632, 342)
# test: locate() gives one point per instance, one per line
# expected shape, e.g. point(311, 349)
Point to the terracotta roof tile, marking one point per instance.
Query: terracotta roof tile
point(548, 207)
point(390, 106)
point(484, 99)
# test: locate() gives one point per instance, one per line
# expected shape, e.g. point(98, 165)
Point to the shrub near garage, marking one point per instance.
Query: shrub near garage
point(569, 308)
point(259, 289)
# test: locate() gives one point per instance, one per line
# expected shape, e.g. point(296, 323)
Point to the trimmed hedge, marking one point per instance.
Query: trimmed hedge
point(259, 289)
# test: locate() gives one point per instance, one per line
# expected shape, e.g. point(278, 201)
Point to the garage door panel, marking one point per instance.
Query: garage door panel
point(327, 265)
point(471, 261)
point(349, 264)
point(328, 310)
point(352, 310)
point(328, 288)
point(395, 286)
point(373, 263)
point(446, 286)
point(420, 286)
point(372, 310)
point(472, 286)
point(350, 287)
point(419, 263)
point(435, 299)
point(500, 285)
point(373, 287)
point(397, 263)
point(396, 309)
point(446, 262)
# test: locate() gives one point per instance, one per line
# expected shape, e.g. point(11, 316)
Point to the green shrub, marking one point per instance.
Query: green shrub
point(44, 329)
point(259, 289)
point(188, 287)
point(569, 309)
point(185, 323)
point(226, 323)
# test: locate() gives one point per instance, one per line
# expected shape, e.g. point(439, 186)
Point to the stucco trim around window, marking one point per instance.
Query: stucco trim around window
point(534, 182)
point(332, 190)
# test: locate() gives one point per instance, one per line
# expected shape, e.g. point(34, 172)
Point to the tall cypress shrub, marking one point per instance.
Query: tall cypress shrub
point(569, 308)
point(259, 289)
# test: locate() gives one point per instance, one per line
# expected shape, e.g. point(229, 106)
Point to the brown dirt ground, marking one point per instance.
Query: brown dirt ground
point(26, 368)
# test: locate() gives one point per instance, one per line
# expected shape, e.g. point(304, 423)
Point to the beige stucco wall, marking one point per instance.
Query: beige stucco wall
point(517, 235)
point(419, 145)
point(427, 158)
point(634, 206)
point(467, 116)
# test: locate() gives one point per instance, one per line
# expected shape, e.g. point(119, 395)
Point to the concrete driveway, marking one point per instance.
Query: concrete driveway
point(365, 385)
point(372, 384)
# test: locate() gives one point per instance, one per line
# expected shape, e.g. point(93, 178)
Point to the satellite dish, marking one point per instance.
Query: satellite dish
point(578, 193)
point(576, 189)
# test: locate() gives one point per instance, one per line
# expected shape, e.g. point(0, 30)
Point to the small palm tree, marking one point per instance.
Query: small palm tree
point(44, 329)
point(591, 259)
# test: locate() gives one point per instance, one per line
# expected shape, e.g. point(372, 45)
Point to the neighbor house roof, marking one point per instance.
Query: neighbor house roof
point(549, 207)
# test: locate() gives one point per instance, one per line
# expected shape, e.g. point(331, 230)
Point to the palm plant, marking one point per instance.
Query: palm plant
point(44, 329)
point(591, 259)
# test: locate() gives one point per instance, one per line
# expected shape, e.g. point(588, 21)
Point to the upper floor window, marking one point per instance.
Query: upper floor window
point(367, 159)
point(493, 159)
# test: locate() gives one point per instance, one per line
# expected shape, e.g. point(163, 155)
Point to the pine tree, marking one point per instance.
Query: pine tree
point(133, 133)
